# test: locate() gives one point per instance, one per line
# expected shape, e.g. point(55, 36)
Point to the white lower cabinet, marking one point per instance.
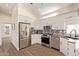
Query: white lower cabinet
point(67, 47)
point(71, 49)
point(35, 38)
point(77, 47)
point(63, 45)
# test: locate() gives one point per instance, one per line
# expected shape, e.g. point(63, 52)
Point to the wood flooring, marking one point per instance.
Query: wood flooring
point(8, 49)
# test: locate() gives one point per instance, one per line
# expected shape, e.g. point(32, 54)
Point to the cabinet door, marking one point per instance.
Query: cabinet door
point(77, 47)
point(63, 46)
point(71, 49)
point(39, 38)
point(35, 38)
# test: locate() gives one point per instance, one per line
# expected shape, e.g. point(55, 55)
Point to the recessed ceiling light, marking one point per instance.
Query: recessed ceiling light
point(50, 15)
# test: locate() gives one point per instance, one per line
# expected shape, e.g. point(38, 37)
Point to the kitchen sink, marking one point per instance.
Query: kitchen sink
point(75, 38)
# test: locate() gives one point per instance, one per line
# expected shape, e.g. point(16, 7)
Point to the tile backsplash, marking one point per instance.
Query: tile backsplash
point(40, 31)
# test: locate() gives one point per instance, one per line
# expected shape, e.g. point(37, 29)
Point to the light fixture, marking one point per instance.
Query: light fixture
point(49, 11)
point(50, 15)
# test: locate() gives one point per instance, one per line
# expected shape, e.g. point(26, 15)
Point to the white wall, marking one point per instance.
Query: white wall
point(57, 23)
point(71, 18)
point(0, 36)
point(5, 18)
point(25, 15)
point(15, 34)
point(15, 37)
point(22, 10)
point(72, 21)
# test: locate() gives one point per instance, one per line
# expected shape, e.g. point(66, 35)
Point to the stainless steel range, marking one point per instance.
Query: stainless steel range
point(46, 37)
point(51, 38)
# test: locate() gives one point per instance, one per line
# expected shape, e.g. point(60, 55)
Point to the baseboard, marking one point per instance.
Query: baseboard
point(55, 48)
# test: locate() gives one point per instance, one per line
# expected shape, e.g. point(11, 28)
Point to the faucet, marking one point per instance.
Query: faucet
point(74, 32)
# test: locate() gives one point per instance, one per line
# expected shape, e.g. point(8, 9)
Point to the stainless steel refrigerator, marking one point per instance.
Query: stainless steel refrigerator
point(24, 35)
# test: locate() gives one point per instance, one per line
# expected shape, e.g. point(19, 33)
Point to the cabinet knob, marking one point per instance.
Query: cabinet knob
point(67, 53)
point(68, 48)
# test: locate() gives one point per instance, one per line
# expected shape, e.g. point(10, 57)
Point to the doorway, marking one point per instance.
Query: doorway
point(5, 38)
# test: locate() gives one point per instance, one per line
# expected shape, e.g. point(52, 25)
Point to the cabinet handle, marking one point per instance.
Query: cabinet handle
point(67, 53)
point(71, 42)
point(74, 50)
point(68, 48)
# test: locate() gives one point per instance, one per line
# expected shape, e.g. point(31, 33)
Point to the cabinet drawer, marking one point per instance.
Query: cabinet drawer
point(71, 49)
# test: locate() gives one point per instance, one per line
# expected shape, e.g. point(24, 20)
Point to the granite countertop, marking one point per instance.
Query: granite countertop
point(77, 38)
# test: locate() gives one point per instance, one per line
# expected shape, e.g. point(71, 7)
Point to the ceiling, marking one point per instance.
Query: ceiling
point(38, 9)
point(44, 7)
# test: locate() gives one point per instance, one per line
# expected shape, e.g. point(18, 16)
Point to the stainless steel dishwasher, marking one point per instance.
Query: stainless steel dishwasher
point(55, 40)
